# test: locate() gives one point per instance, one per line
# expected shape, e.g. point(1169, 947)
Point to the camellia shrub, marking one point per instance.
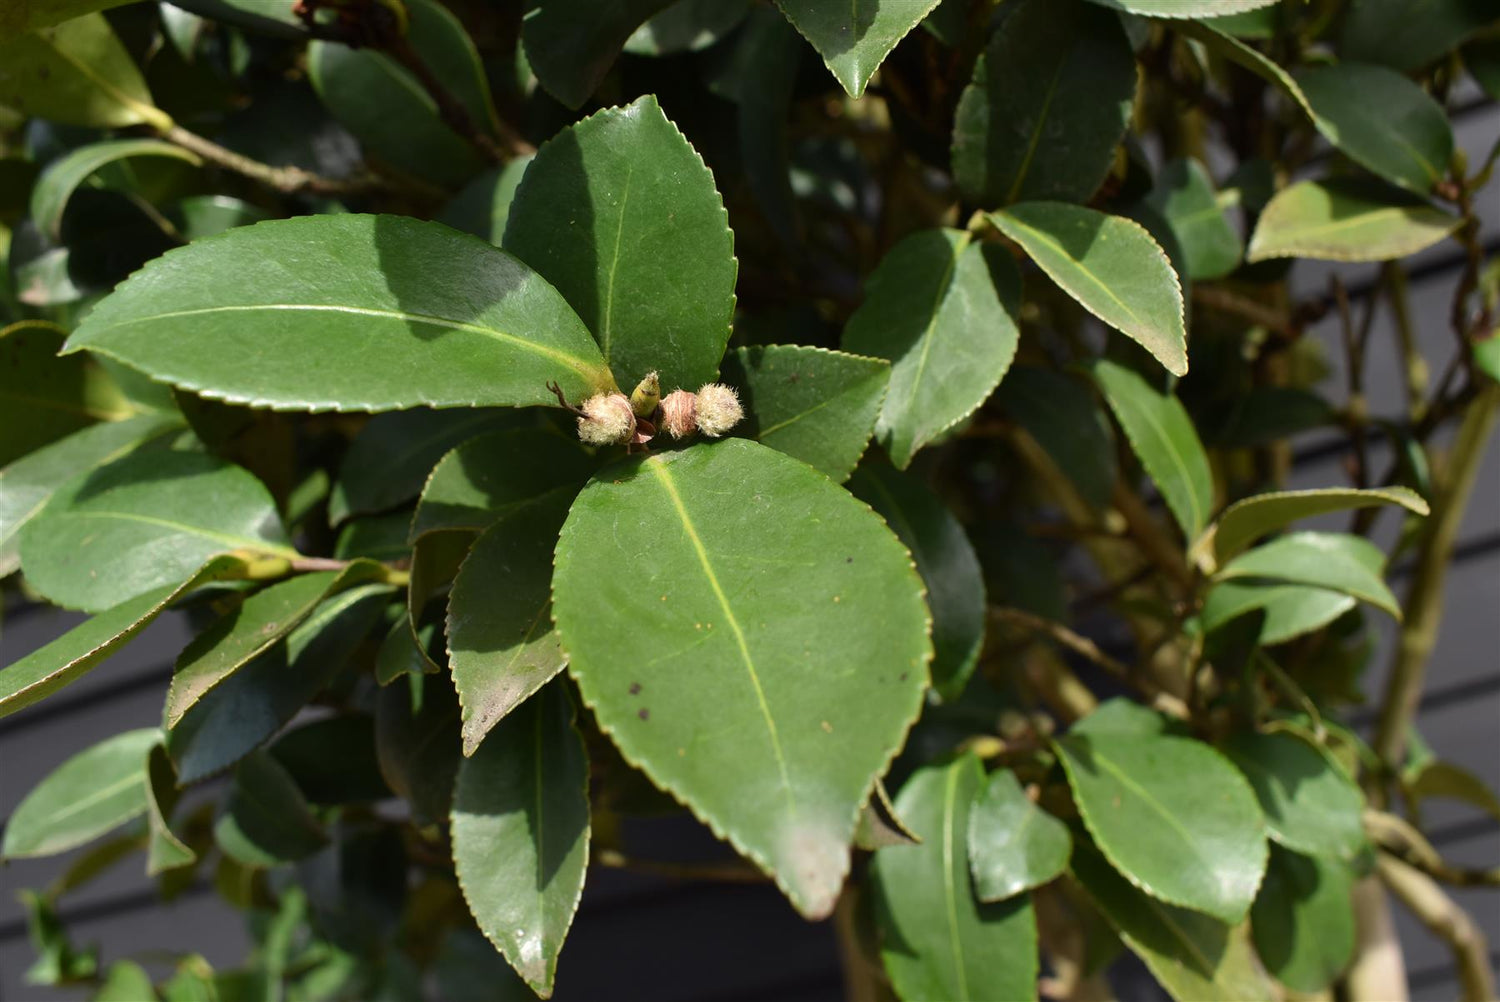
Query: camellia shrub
point(862, 426)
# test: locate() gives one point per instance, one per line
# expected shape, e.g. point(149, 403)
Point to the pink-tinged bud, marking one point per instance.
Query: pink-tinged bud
point(607, 419)
point(718, 409)
point(679, 414)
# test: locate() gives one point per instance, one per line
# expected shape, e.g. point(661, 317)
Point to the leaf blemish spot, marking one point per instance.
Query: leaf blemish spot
point(643, 713)
point(635, 688)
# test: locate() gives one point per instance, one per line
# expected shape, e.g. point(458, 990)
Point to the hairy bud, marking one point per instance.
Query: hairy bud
point(679, 414)
point(718, 409)
point(607, 419)
point(646, 395)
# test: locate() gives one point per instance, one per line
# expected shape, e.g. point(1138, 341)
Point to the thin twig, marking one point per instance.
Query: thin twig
point(290, 180)
point(1444, 919)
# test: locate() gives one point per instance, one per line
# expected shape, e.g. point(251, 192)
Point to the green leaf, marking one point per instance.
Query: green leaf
point(1290, 610)
point(43, 397)
point(28, 483)
point(1408, 34)
point(1186, 8)
point(1347, 220)
point(1014, 845)
point(263, 17)
point(854, 38)
point(57, 962)
point(1487, 356)
point(199, 216)
point(417, 743)
point(945, 559)
point(1303, 921)
point(63, 176)
point(100, 788)
point(1184, 196)
point(252, 704)
point(1062, 413)
point(28, 15)
point(1246, 521)
point(1172, 815)
point(617, 210)
point(491, 475)
point(391, 112)
point(1382, 121)
point(1049, 102)
point(333, 760)
point(78, 73)
point(1111, 266)
point(164, 850)
point(451, 321)
point(733, 583)
point(266, 820)
point(502, 646)
point(126, 981)
point(879, 825)
point(1444, 779)
point(392, 456)
point(1196, 958)
point(1311, 804)
point(1482, 60)
point(687, 26)
point(75, 653)
point(143, 522)
point(1162, 437)
point(1123, 717)
point(938, 941)
point(1332, 560)
point(521, 833)
point(251, 629)
point(942, 309)
point(435, 559)
point(483, 206)
point(762, 76)
point(817, 405)
point(571, 44)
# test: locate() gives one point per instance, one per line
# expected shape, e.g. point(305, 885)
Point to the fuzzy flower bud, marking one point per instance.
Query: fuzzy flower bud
point(646, 395)
point(607, 419)
point(679, 414)
point(718, 409)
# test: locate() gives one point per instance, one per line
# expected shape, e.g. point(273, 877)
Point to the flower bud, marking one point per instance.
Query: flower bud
point(607, 419)
point(679, 414)
point(645, 396)
point(718, 409)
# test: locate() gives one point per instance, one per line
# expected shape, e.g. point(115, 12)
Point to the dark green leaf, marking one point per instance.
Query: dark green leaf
point(521, 833)
point(733, 583)
point(266, 821)
point(1347, 220)
point(76, 72)
point(1184, 196)
point(1063, 415)
point(1407, 34)
point(57, 962)
point(164, 850)
point(333, 760)
point(687, 26)
point(29, 15)
point(1332, 560)
point(417, 741)
point(1487, 356)
point(494, 474)
point(126, 981)
point(199, 216)
point(1246, 521)
point(1290, 610)
point(64, 175)
point(483, 206)
point(1185, 8)
point(98, 789)
point(502, 646)
point(855, 38)
point(1014, 845)
point(571, 44)
point(43, 397)
point(435, 560)
point(938, 942)
point(1303, 922)
point(767, 57)
point(946, 561)
point(1311, 804)
point(1111, 266)
point(817, 405)
point(622, 216)
point(452, 322)
point(1049, 102)
point(942, 309)
point(879, 825)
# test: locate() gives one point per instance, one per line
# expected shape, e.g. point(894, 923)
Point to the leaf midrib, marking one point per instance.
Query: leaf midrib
point(950, 898)
point(1087, 273)
point(234, 542)
point(1158, 429)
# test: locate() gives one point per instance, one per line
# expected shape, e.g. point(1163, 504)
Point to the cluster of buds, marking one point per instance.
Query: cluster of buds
point(615, 419)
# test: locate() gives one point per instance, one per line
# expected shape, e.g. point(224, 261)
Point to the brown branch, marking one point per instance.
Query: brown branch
point(1444, 919)
point(453, 111)
point(1269, 317)
point(292, 180)
point(1378, 971)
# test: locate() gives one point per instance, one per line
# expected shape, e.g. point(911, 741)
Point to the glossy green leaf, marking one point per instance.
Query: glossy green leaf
point(392, 456)
point(332, 760)
point(76, 72)
point(1382, 120)
point(1332, 560)
point(199, 216)
point(126, 981)
point(1303, 921)
point(938, 942)
point(1290, 610)
point(879, 825)
point(1408, 34)
point(100, 788)
point(251, 705)
point(521, 833)
point(1228, 47)
point(1111, 266)
point(75, 653)
point(43, 397)
point(145, 521)
point(63, 176)
point(502, 646)
point(251, 629)
point(1311, 804)
point(1195, 957)
point(817, 405)
point(1172, 815)
point(1186, 8)
point(1246, 521)
point(28, 483)
point(616, 210)
point(435, 559)
point(450, 322)
point(1346, 220)
point(571, 44)
point(164, 850)
point(729, 582)
point(1184, 196)
point(945, 559)
point(1124, 717)
point(855, 38)
point(265, 17)
point(265, 819)
point(28, 15)
point(483, 206)
point(1014, 845)
point(1062, 413)
point(1162, 437)
point(391, 112)
point(417, 743)
point(1049, 102)
point(493, 474)
point(943, 310)
point(687, 26)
